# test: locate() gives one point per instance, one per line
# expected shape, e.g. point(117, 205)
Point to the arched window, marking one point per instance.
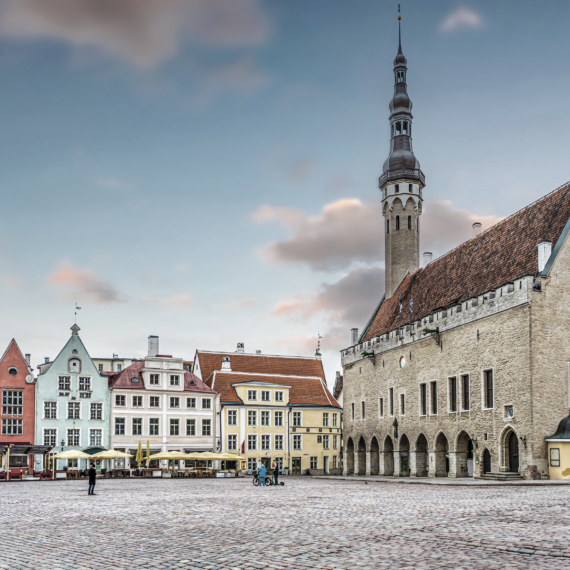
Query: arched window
point(399, 128)
point(409, 222)
point(397, 223)
point(387, 226)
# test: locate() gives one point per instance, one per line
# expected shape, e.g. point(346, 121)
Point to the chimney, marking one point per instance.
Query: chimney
point(354, 333)
point(46, 359)
point(226, 363)
point(427, 257)
point(476, 229)
point(544, 251)
point(127, 362)
point(152, 345)
point(28, 358)
point(258, 352)
point(240, 348)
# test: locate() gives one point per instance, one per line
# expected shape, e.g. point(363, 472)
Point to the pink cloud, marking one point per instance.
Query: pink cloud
point(461, 17)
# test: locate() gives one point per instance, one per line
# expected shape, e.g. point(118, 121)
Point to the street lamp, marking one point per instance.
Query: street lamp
point(62, 444)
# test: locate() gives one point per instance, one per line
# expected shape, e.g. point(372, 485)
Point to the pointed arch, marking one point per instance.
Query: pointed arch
point(440, 468)
point(419, 458)
point(374, 456)
point(387, 463)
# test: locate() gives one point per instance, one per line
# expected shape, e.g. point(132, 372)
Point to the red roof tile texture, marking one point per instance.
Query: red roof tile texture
point(304, 390)
point(506, 251)
point(286, 365)
point(123, 380)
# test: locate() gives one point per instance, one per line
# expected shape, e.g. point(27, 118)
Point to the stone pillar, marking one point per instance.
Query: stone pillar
point(457, 464)
point(356, 462)
point(397, 464)
point(432, 463)
point(368, 462)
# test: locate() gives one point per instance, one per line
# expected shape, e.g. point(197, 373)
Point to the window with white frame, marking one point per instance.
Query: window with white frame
point(137, 426)
point(251, 418)
point(279, 396)
point(265, 442)
point(120, 401)
point(265, 396)
point(423, 400)
point(119, 367)
point(465, 396)
point(12, 402)
point(64, 383)
point(206, 403)
point(12, 427)
point(154, 426)
point(251, 464)
point(85, 384)
point(278, 442)
point(452, 394)
point(232, 442)
point(96, 411)
point(174, 402)
point(433, 398)
point(50, 437)
point(190, 427)
point(335, 442)
point(119, 426)
point(73, 437)
point(252, 395)
point(73, 410)
point(191, 403)
point(50, 410)
point(174, 380)
point(334, 462)
point(326, 442)
point(95, 437)
point(265, 417)
point(206, 427)
point(278, 419)
point(154, 402)
point(314, 462)
point(335, 424)
point(137, 401)
point(100, 368)
point(297, 419)
point(297, 442)
point(154, 380)
point(252, 442)
point(232, 418)
point(174, 426)
point(325, 419)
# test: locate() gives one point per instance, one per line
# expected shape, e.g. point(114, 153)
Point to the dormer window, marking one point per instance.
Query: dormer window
point(74, 365)
point(13, 371)
point(134, 379)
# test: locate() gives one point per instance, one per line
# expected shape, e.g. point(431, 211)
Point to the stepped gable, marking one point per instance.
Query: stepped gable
point(123, 380)
point(305, 390)
point(260, 363)
point(505, 252)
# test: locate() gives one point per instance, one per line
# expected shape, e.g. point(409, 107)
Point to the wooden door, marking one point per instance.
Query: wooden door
point(513, 453)
point(486, 461)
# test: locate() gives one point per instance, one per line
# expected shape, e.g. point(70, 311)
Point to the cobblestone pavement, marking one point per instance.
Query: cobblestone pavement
point(308, 523)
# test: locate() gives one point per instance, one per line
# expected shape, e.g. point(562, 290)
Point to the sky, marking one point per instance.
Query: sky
point(206, 170)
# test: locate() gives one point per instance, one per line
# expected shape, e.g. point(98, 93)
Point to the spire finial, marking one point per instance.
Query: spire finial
point(399, 31)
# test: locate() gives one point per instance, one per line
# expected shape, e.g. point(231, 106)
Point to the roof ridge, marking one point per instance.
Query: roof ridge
point(266, 374)
point(504, 220)
point(252, 354)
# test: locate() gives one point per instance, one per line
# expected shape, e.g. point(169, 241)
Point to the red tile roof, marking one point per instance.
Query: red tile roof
point(506, 251)
point(259, 363)
point(122, 380)
point(305, 390)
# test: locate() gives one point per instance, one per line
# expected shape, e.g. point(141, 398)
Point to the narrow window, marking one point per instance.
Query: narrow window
point(387, 226)
point(399, 128)
point(397, 188)
point(453, 394)
point(409, 222)
point(391, 401)
point(402, 404)
point(405, 127)
point(381, 407)
point(423, 398)
point(352, 411)
point(397, 223)
point(554, 457)
point(488, 388)
point(190, 427)
point(410, 188)
point(434, 398)
point(363, 411)
point(466, 396)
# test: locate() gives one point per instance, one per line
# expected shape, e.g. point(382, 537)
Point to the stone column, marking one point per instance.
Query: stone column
point(457, 464)
point(356, 463)
point(432, 463)
point(381, 463)
point(397, 464)
point(368, 462)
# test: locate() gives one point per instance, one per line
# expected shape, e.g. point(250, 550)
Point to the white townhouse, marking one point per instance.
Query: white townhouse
point(157, 399)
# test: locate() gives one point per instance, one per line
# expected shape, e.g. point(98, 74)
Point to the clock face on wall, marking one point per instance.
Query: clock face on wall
point(402, 361)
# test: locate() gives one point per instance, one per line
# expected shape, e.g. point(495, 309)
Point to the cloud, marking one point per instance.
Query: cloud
point(84, 286)
point(144, 32)
point(176, 301)
point(234, 305)
point(461, 18)
point(349, 231)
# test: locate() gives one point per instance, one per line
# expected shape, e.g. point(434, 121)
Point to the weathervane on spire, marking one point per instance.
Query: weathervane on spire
point(318, 353)
point(76, 309)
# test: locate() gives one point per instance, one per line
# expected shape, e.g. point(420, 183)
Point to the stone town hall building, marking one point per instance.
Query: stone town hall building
point(464, 367)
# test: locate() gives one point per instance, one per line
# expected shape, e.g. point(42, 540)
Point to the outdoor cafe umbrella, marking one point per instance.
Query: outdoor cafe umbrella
point(147, 453)
point(139, 457)
point(72, 454)
point(175, 455)
point(110, 454)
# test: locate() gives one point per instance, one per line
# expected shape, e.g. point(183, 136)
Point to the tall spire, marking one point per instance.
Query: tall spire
point(399, 32)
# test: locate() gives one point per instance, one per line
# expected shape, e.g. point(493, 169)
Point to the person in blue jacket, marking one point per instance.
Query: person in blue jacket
point(262, 473)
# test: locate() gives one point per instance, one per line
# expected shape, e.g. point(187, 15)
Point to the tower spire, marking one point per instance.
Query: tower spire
point(401, 183)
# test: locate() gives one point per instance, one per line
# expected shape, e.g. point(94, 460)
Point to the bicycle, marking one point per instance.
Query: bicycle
point(268, 480)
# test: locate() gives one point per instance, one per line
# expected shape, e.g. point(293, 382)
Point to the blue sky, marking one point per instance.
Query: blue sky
point(206, 170)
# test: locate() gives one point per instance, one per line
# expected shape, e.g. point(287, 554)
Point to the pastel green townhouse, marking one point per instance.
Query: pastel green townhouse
point(72, 402)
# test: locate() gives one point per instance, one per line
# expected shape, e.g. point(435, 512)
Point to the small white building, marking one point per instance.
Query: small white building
point(157, 399)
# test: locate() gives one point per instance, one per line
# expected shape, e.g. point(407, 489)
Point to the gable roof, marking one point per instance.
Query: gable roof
point(122, 380)
point(259, 363)
point(304, 390)
point(15, 344)
point(505, 252)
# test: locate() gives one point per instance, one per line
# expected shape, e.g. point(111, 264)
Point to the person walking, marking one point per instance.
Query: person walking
point(276, 473)
point(262, 473)
point(92, 478)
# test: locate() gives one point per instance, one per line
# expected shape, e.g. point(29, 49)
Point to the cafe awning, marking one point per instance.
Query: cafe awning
point(16, 449)
point(93, 450)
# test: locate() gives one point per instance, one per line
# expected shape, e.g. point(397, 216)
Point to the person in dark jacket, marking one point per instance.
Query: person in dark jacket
point(276, 473)
point(92, 479)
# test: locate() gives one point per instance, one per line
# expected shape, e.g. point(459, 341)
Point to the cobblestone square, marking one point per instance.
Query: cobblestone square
point(308, 523)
